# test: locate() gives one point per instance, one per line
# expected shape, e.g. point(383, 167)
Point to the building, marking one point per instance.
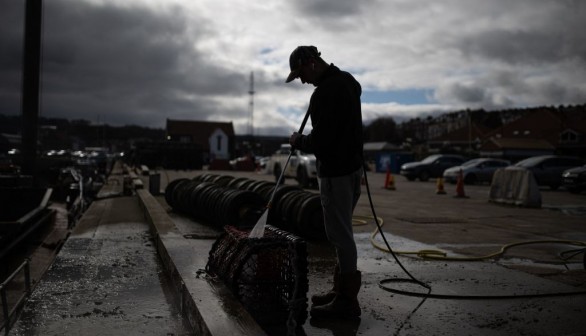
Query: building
point(543, 131)
point(515, 149)
point(522, 133)
point(216, 139)
point(383, 156)
point(464, 139)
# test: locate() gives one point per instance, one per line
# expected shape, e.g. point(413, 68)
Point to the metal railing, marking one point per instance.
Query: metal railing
point(27, 280)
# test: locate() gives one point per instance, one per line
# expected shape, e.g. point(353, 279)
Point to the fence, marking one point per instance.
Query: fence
point(6, 324)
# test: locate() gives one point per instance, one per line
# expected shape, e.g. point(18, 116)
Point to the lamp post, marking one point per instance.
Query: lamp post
point(30, 84)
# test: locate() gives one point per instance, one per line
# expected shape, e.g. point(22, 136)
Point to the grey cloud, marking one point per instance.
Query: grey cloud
point(509, 89)
point(468, 94)
point(514, 46)
point(330, 9)
point(551, 33)
point(125, 63)
point(11, 32)
point(471, 94)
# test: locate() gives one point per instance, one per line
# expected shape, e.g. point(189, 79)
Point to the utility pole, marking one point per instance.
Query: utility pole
point(31, 70)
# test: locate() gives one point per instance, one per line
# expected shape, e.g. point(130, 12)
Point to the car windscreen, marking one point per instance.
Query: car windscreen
point(471, 162)
point(528, 162)
point(430, 159)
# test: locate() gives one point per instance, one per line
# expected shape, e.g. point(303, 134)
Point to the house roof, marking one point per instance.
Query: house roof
point(200, 131)
point(543, 124)
point(516, 143)
point(463, 134)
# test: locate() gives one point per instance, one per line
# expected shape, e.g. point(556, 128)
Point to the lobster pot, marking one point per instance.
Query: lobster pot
point(268, 275)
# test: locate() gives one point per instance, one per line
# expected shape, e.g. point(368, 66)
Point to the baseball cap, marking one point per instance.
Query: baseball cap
point(298, 57)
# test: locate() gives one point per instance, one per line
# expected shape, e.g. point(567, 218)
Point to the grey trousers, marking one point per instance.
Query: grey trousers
point(339, 196)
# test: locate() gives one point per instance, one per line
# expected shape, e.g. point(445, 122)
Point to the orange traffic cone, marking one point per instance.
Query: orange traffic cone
point(389, 181)
point(440, 186)
point(460, 186)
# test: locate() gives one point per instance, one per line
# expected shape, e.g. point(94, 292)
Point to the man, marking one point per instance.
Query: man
point(336, 141)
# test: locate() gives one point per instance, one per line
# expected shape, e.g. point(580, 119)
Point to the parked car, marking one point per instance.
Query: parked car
point(302, 166)
point(431, 166)
point(475, 171)
point(548, 169)
point(574, 179)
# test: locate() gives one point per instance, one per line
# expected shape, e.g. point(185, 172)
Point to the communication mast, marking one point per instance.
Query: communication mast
point(251, 105)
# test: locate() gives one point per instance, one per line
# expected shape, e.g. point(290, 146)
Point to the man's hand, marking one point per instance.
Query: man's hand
point(293, 138)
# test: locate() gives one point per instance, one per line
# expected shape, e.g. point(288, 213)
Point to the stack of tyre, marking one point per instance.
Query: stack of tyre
point(213, 203)
point(226, 200)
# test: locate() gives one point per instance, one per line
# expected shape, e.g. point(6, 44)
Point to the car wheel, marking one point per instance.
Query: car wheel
point(470, 179)
point(424, 176)
point(302, 177)
point(554, 186)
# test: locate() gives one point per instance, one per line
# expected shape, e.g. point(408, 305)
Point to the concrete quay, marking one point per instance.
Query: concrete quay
point(527, 291)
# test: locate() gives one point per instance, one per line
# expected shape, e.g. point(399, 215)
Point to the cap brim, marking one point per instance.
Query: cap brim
point(292, 75)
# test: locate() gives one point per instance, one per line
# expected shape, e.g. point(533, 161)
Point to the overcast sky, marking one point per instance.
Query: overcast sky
point(143, 61)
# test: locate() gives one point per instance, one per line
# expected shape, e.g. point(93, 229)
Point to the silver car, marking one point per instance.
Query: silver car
point(548, 169)
point(475, 171)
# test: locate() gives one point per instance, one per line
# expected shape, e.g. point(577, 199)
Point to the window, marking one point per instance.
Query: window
point(219, 142)
point(568, 162)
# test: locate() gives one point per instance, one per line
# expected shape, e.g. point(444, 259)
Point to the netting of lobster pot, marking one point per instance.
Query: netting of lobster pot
point(268, 275)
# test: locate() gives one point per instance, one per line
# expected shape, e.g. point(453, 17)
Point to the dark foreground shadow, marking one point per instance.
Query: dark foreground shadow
point(338, 327)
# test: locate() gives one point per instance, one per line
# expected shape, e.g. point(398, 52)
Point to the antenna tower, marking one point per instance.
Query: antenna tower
point(251, 104)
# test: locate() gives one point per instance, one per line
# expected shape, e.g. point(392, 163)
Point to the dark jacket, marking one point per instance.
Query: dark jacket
point(336, 117)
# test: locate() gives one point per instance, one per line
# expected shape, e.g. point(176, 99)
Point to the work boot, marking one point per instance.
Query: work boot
point(345, 302)
point(325, 298)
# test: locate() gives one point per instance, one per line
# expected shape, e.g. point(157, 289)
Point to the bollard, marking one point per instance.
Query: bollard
point(155, 184)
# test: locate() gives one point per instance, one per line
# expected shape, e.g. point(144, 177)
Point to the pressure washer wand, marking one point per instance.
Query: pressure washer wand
point(259, 228)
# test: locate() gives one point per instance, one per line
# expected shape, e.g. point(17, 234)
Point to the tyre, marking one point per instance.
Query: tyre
point(424, 176)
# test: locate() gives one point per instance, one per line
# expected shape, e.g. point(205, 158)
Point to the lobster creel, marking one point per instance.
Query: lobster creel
point(268, 275)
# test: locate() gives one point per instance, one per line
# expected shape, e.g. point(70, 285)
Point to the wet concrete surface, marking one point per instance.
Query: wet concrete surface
point(414, 219)
point(106, 280)
point(99, 297)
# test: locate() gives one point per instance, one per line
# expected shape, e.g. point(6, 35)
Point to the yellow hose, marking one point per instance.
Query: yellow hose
point(440, 255)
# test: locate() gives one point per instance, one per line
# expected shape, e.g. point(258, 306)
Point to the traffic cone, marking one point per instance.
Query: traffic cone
point(440, 186)
point(389, 181)
point(460, 186)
